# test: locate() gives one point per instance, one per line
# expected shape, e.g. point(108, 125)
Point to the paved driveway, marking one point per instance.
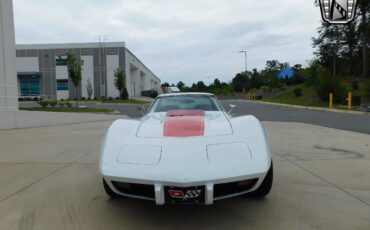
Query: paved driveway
point(49, 179)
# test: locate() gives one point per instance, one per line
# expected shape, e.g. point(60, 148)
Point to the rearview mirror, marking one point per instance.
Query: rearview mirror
point(232, 107)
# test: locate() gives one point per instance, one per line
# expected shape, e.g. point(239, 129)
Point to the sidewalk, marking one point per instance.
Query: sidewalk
point(28, 119)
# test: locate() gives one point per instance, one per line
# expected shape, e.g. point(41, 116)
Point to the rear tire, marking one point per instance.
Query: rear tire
point(109, 191)
point(266, 185)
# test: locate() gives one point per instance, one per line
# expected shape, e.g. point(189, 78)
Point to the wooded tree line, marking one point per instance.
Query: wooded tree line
point(345, 49)
point(247, 80)
point(340, 51)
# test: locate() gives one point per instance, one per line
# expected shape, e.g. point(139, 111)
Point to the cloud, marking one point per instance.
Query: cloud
point(179, 40)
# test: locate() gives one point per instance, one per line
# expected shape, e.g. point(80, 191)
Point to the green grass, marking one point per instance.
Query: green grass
point(308, 98)
point(361, 91)
point(130, 101)
point(68, 110)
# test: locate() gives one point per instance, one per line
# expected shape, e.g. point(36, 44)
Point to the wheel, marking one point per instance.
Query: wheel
point(109, 191)
point(266, 185)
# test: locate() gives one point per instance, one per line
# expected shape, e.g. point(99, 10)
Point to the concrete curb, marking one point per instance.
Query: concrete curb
point(311, 108)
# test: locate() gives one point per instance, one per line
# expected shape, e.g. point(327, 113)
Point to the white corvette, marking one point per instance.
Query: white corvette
point(186, 149)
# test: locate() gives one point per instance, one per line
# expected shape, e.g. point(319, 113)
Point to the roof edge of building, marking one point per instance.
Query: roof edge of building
point(143, 64)
point(71, 45)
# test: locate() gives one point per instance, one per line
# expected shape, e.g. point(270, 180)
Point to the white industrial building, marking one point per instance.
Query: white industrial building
point(42, 70)
point(8, 79)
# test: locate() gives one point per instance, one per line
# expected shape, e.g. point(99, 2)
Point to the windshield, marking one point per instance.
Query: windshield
point(185, 102)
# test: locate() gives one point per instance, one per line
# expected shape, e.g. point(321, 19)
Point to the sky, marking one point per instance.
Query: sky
point(187, 40)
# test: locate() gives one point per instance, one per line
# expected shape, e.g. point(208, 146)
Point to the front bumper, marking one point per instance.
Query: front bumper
point(214, 190)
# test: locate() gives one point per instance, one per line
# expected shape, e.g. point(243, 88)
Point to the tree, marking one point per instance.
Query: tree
point(165, 84)
point(275, 82)
point(255, 81)
point(201, 86)
point(297, 67)
point(349, 51)
point(240, 82)
point(273, 65)
point(75, 71)
point(364, 8)
point(330, 44)
point(180, 85)
point(217, 83)
point(89, 88)
point(285, 65)
point(120, 83)
point(345, 48)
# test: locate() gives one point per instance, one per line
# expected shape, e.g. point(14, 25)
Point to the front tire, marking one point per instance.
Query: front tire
point(266, 185)
point(109, 191)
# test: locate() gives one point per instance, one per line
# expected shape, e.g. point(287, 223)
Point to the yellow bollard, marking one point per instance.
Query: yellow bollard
point(330, 100)
point(349, 100)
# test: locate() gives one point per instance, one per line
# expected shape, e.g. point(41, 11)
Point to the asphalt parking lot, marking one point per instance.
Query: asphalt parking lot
point(49, 179)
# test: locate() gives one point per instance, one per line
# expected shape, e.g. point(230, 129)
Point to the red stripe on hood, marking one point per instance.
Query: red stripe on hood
point(184, 123)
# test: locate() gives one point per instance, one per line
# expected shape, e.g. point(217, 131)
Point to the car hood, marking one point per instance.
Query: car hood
point(184, 123)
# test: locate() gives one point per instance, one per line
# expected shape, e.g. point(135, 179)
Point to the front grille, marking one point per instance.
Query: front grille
point(142, 190)
point(233, 187)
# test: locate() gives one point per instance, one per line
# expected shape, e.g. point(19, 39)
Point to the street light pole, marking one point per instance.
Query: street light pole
point(245, 56)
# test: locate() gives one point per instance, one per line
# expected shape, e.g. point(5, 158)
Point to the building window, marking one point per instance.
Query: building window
point(61, 62)
point(62, 84)
point(30, 85)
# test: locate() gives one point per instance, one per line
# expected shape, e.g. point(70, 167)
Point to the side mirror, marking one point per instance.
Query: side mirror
point(141, 109)
point(232, 107)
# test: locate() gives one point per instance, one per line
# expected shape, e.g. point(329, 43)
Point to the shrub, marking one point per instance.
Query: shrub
point(43, 104)
point(124, 94)
point(53, 103)
point(68, 104)
point(62, 99)
point(275, 82)
point(355, 85)
point(83, 98)
point(95, 98)
point(35, 99)
point(75, 99)
point(327, 86)
point(117, 98)
point(110, 98)
point(297, 79)
point(61, 104)
point(297, 92)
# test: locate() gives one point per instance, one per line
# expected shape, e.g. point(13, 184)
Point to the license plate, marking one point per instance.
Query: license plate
point(187, 195)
